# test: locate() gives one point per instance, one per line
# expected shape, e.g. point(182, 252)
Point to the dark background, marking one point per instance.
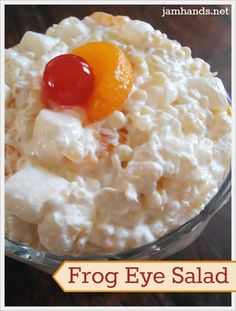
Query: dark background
point(209, 38)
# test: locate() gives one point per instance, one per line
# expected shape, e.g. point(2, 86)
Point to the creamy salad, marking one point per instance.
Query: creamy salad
point(75, 187)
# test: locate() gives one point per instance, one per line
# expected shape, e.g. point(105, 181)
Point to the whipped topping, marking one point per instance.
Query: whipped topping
point(119, 183)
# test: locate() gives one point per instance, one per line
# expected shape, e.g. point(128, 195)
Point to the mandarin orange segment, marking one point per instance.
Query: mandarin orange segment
point(113, 77)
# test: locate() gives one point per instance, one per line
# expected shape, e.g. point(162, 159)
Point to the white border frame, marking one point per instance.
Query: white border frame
point(233, 83)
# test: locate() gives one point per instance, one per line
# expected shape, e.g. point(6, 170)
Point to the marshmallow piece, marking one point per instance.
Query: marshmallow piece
point(65, 227)
point(136, 33)
point(37, 43)
point(116, 120)
point(57, 135)
point(212, 88)
point(29, 189)
point(161, 91)
point(71, 28)
point(16, 67)
point(53, 133)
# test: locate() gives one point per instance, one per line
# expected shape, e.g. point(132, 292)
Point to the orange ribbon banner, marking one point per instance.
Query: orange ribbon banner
point(147, 276)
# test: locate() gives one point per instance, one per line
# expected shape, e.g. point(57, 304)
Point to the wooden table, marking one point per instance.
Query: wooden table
point(209, 38)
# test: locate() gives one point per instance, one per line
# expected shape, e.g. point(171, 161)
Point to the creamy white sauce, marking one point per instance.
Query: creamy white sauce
point(126, 180)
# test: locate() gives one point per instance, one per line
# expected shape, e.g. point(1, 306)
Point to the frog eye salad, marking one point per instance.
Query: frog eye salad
point(115, 136)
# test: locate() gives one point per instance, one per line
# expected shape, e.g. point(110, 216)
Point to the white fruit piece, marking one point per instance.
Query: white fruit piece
point(37, 43)
point(29, 189)
point(57, 135)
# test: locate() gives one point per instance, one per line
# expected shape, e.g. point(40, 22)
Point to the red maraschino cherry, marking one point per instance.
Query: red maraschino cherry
point(68, 82)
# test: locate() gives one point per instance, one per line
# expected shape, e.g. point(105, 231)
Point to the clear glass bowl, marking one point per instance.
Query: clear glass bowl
point(161, 248)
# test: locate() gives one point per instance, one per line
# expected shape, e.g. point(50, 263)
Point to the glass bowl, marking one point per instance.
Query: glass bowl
point(161, 248)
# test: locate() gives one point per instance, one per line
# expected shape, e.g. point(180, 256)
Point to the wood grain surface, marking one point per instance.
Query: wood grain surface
point(209, 38)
